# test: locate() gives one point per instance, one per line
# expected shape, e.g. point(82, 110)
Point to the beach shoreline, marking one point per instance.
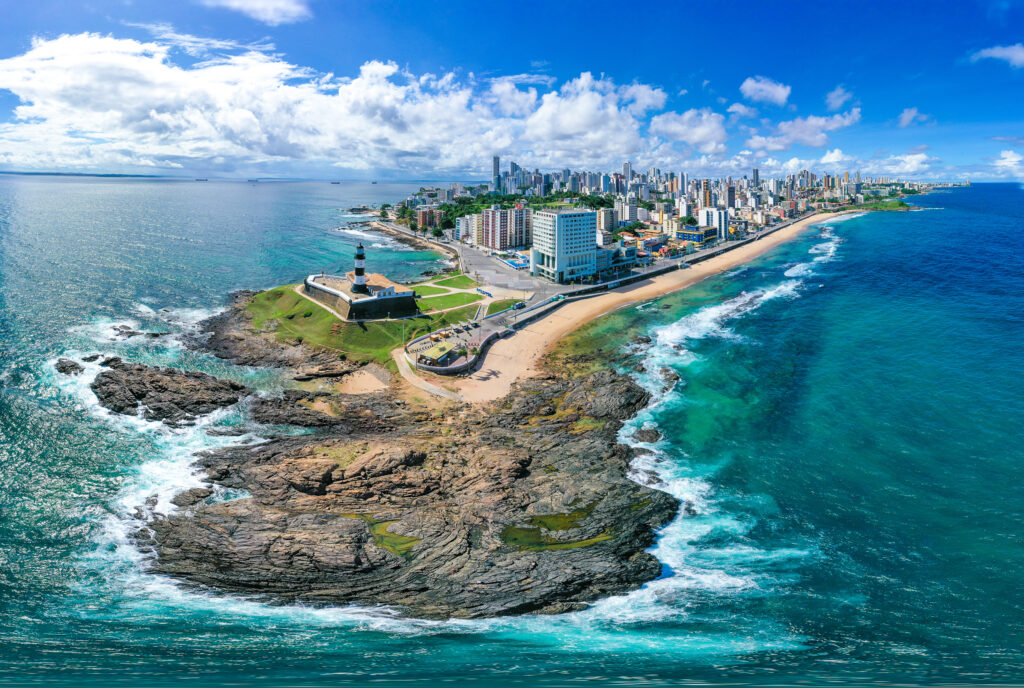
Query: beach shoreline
point(520, 357)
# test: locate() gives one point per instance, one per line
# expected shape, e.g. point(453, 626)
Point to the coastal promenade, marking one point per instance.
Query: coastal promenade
point(519, 357)
point(539, 328)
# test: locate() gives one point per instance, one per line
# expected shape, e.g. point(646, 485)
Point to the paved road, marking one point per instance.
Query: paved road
point(489, 270)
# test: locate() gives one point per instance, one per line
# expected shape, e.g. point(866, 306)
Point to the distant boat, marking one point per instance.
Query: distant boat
point(335, 182)
point(373, 182)
point(201, 180)
point(253, 181)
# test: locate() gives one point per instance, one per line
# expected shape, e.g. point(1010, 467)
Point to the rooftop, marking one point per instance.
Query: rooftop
point(374, 283)
point(375, 279)
point(564, 211)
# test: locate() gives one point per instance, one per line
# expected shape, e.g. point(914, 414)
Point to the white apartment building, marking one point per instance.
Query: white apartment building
point(626, 211)
point(714, 217)
point(466, 228)
point(564, 245)
point(606, 220)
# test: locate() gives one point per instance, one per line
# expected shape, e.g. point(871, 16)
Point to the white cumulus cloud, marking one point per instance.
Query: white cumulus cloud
point(837, 98)
point(834, 157)
point(1008, 164)
point(809, 131)
point(1011, 54)
point(702, 129)
point(273, 12)
point(741, 110)
point(907, 164)
point(103, 103)
point(763, 90)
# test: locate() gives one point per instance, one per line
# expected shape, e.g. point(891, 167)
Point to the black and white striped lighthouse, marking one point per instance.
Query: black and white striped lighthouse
point(359, 279)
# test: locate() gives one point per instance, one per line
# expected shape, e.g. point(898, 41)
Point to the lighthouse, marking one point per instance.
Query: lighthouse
point(359, 278)
point(358, 295)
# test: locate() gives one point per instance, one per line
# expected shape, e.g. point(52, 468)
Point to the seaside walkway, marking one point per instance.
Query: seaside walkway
point(416, 381)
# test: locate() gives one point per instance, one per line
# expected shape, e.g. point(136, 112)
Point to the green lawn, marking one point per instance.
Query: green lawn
point(448, 301)
point(427, 290)
point(884, 205)
point(458, 282)
point(501, 305)
point(299, 319)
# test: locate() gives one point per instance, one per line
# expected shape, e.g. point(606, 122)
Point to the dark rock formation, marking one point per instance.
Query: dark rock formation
point(523, 507)
point(340, 412)
point(192, 497)
point(166, 394)
point(65, 366)
point(520, 507)
point(230, 335)
point(647, 435)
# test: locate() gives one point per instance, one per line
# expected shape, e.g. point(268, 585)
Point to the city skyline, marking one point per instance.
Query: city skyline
point(300, 88)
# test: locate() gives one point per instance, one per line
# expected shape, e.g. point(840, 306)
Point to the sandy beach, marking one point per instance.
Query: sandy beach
point(518, 357)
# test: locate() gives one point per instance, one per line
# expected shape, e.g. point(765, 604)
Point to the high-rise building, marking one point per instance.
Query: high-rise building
point(627, 173)
point(564, 245)
point(683, 208)
point(756, 179)
point(503, 229)
point(626, 211)
point(705, 193)
point(466, 227)
point(606, 219)
point(719, 219)
point(495, 173)
point(730, 197)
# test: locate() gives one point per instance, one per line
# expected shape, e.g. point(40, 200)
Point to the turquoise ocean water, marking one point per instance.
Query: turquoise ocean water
point(847, 428)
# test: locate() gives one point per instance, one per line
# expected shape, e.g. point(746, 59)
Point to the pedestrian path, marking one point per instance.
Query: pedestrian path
point(416, 381)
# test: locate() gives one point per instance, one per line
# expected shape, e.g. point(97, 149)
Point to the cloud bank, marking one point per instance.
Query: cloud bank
point(98, 102)
point(177, 102)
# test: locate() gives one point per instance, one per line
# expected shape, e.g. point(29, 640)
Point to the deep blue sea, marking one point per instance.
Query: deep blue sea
point(847, 427)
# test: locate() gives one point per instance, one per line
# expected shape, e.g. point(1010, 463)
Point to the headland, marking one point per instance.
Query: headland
point(516, 498)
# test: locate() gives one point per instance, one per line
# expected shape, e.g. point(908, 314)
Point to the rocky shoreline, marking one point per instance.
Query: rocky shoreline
point(441, 511)
point(413, 241)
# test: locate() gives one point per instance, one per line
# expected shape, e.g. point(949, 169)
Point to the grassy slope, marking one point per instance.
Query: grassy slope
point(458, 282)
point(448, 301)
point(428, 290)
point(501, 305)
point(300, 319)
point(884, 205)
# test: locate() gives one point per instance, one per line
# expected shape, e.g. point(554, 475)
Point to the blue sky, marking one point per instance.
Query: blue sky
point(414, 90)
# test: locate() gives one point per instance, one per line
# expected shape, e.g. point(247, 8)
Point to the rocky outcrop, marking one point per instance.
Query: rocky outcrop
point(338, 412)
point(166, 394)
point(65, 366)
point(521, 507)
point(231, 335)
point(524, 507)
